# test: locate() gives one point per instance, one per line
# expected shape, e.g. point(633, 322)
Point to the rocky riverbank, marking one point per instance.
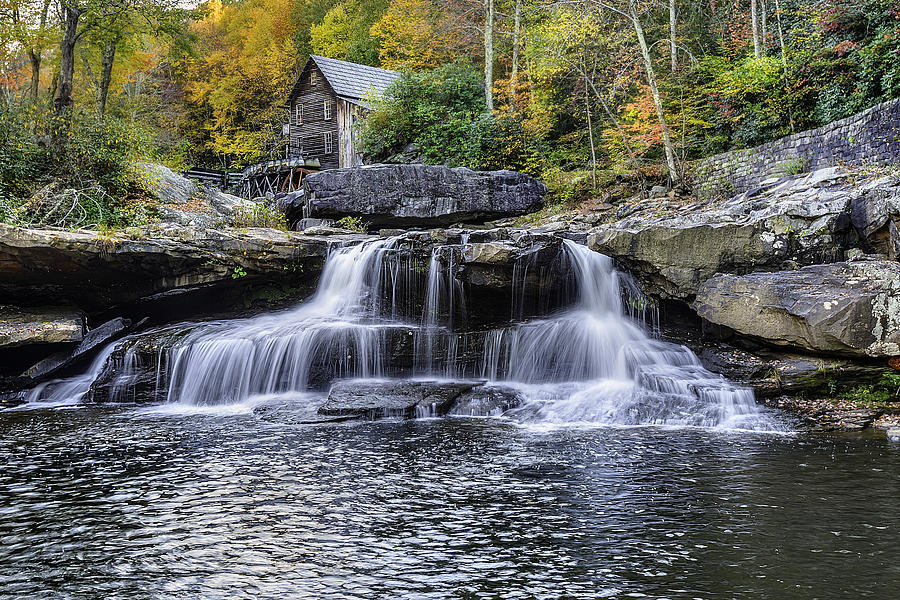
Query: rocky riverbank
point(792, 289)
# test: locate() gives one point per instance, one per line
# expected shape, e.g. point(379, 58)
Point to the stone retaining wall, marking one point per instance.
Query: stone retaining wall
point(871, 137)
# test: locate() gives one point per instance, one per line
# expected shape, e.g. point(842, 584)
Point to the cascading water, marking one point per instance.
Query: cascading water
point(588, 363)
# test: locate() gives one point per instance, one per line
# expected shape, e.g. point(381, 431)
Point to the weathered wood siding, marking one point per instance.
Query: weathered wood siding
point(307, 139)
point(348, 115)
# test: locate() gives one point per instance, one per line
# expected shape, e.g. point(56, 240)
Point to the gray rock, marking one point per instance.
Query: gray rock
point(43, 325)
point(379, 399)
point(165, 185)
point(415, 195)
point(487, 400)
point(185, 202)
point(95, 272)
point(792, 223)
point(773, 373)
point(304, 224)
point(844, 308)
point(658, 191)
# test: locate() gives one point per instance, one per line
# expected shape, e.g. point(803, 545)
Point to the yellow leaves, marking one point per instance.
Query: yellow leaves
point(332, 36)
point(247, 61)
point(406, 33)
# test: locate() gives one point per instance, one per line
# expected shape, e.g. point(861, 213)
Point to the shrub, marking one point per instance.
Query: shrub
point(257, 214)
point(353, 224)
point(69, 170)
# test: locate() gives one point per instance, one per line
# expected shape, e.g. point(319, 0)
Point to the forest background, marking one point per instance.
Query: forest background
point(577, 92)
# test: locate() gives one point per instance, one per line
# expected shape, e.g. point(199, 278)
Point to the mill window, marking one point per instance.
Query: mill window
point(327, 109)
point(299, 110)
point(329, 142)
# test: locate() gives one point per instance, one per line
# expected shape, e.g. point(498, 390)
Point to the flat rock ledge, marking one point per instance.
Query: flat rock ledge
point(94, 271)
point(848, 308)
point(42, 325)
point(407, 399)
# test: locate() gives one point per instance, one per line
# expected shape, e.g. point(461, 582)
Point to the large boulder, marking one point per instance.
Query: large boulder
point(674, 248)
point(850, 308)
point(415, 195)
point(875, 213)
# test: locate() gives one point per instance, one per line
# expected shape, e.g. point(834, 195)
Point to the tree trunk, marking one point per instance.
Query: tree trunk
point(489, 54)
point(514, 73)
point(783, 58)
point(762, 24)
point(673, 50)
point(587, 108)
point(34, 56)
point(754, 24)
point(674, 174)
point(106, 65)
point(63, 99)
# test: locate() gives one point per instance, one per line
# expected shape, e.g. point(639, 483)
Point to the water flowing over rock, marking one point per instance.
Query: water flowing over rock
point(850, 308)
point(415, 195)
point(370, 320)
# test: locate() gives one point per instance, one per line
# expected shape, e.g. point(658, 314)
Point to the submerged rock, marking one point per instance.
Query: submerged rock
point(850, 308)
point(415, 195)
point(378, 399)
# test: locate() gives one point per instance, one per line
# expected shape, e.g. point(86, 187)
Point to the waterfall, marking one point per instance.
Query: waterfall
point(373, 317)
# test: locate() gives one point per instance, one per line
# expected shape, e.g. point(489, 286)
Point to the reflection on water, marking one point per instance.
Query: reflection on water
point(128, 503)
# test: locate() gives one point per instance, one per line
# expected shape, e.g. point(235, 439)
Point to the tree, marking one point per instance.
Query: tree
point(407, 35)
point(83, 16)
point(489, 54)
point(331, 38)
point(514, 70)
point(754, 24)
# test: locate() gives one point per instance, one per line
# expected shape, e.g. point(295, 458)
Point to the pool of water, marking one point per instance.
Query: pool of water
point(131, 502)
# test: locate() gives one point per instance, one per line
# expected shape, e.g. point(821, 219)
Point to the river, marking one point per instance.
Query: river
point(250, 502)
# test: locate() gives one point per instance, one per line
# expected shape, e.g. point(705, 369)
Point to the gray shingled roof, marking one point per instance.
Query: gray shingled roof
point(352, 81)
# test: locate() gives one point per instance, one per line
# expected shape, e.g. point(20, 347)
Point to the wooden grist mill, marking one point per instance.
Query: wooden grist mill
point(324, 109)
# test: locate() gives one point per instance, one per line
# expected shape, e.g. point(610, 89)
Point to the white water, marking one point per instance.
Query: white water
point(589, 363)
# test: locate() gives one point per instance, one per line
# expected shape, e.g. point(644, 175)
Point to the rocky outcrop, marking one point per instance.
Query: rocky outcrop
point(773, 373)
point(60, 362)
point(875, 213)
point(405, 399)
point(41, 325)
point(95, 271)
point(415, 195)
point(850, 308)
point(182, 201)
point(790, 222)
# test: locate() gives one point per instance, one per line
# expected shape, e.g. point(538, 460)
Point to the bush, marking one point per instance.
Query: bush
point(442, 113)
point(353, 224)
point(257, 214)
point(69, 170)
point(504, 143)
